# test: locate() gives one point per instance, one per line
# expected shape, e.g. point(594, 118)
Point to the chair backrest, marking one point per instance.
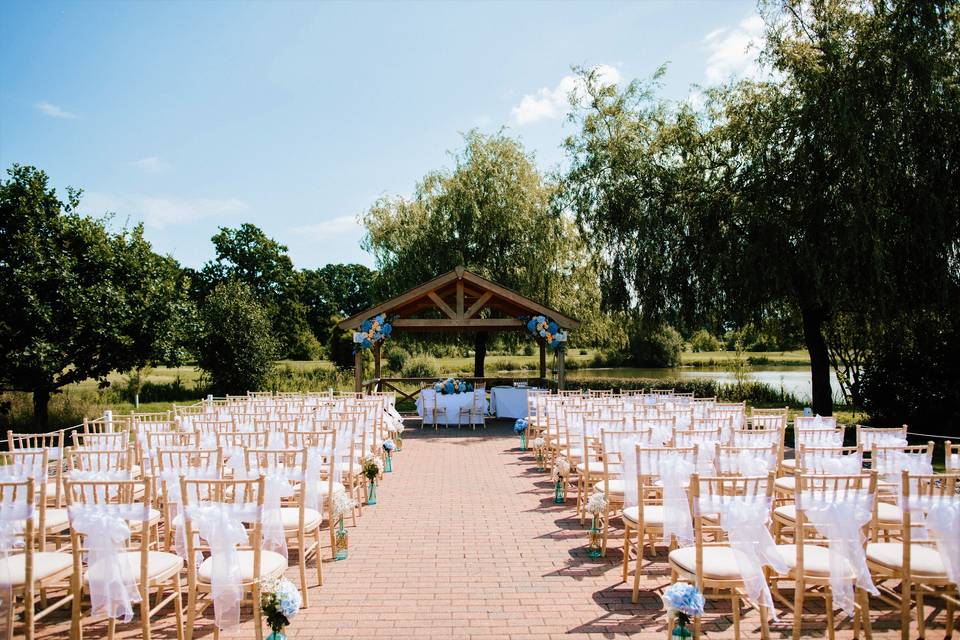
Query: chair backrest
point(17, 505)
point(709, 493)
point(868, 437)
point(106, 424)
point(889, 461)
point(106, 461)
point(767, 420)
point(951, 457)
point(920, 493)
point(746, 460)
point(814, 422)
point(818, 436)
point(831, 460)
point(101, 441)
point(777, 411)
point(746, 437)
point(53, 445)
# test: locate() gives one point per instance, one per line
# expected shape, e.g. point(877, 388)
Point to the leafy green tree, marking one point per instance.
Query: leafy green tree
point(236, 344)
point(492, 214)
point(80, 301)
point(336, 289)
point(248, 255)
point(832, 188)
point(703, 340)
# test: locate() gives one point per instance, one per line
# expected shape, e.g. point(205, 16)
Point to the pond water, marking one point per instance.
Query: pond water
point(794, 380)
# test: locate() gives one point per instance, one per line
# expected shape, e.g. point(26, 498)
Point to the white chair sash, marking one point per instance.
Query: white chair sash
point(675, 472)
point(840, 518)
point(744, 519)
point(943, 523)
point(746, 463)
point(12, 514)
point(113, 586)
point(221, 525)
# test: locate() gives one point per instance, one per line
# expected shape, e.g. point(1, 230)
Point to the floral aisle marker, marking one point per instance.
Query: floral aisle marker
point(561, 471)
point(372, 469)
point(538, 445)
point(279, 603)
point(342, 504)
point(684, 601)
point(596, 506)
point(520, 428)
point(388, 448)
point(372, 332)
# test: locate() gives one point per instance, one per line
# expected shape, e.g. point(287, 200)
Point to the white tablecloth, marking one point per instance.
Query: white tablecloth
point(509, 402)
point(452, 403)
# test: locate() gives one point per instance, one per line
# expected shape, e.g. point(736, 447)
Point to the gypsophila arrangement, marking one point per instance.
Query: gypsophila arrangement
point(561, 469)
point(279, 602)
point(388, 445)
point(685, 601)
point(538, 443)
point(597, 503)
point(342, 504)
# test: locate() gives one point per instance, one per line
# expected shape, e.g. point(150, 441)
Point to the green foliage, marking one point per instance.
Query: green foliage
point(754, 393)
point(833, 187)
point(340, 345)
point(249, 256)
point(79, 301)
point(703, 340)
point(397, 358)
point(336, 290)
point(421, 367)
point(653, 346)
point(236, 345)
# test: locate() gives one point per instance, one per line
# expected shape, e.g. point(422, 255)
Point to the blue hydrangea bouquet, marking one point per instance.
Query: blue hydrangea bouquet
point(279, 603)
point(686, 602)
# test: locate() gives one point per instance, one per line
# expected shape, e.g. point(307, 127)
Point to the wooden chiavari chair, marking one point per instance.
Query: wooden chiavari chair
point(53, 445)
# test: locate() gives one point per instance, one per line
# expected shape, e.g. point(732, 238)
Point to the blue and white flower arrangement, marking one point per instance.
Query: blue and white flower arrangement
point(372, 332)
point(279, 602)
point(546, 329)
point(686, 602)
point(520, 428)
point(452, 386)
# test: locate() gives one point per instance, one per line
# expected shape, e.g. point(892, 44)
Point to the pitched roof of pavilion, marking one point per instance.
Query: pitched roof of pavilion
point(459, 296)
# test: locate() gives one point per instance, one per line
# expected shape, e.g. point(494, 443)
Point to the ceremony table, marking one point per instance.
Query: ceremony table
point(453, 403)
point(509, 402)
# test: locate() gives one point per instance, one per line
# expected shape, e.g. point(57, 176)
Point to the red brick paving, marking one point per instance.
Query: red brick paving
point(467, 543)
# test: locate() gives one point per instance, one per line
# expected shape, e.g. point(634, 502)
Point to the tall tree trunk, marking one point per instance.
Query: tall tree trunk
point(41, 416)
point(819, 361)
point(479, 353)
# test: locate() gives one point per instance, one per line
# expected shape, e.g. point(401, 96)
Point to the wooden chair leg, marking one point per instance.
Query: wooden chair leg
point(865, 614)
point(735, 608)
point(145, 611)
point(905, 610)
point(626, 549)
point(319, 556)
point(192, 611)
point(764, 623)
point(178, 606)
point(828, 605)
point(798, 588)
point(950, 613)
point(302, 566)
point(921, 623)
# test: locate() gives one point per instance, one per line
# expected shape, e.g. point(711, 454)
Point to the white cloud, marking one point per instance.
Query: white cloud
point(325, 229)
point(53, 110)
point(732, 52)
point(548, 103)
point(151, 164)
point(161, 211)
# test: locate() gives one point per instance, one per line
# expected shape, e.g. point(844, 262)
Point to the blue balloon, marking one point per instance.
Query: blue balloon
point(552, 327)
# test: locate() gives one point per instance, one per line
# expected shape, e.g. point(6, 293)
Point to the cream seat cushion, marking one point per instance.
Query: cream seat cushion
point(785, 483)
point(652, 515)
point(816, 559)
point(159, 564)
point(45, 564)
point(271, 564)
point(889, 514)
point(613, 487)
point(593, 467)
point(924, 560)
point(786, 512)
point(323, 487)
point(290, 517)
point(788, 464)
point(719, 563)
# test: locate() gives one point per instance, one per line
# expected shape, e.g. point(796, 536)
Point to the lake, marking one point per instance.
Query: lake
point(794, 380)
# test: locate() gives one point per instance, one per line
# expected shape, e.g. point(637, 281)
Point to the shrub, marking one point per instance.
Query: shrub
point(702, 340)
point(397, 358)
point(340, 346)
point(421, 368)
point(583, 352)
point(528, 349)
point(657, 347)
point(305, 346)
point(236, 345)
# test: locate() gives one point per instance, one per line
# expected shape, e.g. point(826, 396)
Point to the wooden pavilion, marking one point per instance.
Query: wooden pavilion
point(458, 301)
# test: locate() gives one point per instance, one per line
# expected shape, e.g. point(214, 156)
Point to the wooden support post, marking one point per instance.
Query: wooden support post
point(358, 371)
point(561, 374)
point(543, 360)
point(376, 363)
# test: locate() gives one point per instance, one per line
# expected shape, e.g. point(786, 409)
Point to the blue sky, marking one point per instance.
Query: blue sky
point(296, 116)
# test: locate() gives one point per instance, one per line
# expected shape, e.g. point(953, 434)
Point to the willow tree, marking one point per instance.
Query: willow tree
point(491, 213)
point(831, 187)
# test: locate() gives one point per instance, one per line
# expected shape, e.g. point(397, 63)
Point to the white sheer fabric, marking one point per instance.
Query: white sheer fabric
point(14, 511)
point(221, 525)
point(839, 516)
point(112, 583)
point(675, 472)
point(747, 463)
point(943, 524)
point(744, 519)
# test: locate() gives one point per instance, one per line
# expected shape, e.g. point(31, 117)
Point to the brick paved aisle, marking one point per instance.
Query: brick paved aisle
point(467, 543)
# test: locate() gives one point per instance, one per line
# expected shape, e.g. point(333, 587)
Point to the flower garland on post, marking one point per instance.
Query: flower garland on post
point(341, 505)
point(684, 601)
point(561, 470)
point(279, 602)
point(372, 332)
point(596, 505)
point(546, 329)
point(520, 428)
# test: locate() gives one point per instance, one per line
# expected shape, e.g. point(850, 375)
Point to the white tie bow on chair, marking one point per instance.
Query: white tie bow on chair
point(12, 515)
point(744, 520)
point(675, 472)
point(840, 518)
point(221, 525)
point(943, 523)
point(113, 587)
